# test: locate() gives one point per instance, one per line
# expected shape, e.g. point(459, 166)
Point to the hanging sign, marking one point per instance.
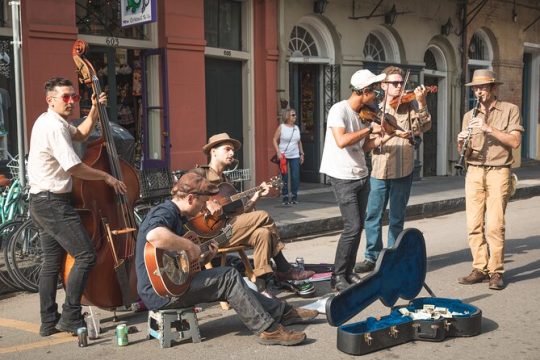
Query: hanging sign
point(135, 12)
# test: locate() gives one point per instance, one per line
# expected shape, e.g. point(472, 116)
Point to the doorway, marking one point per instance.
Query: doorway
point(430, 137)
point(304, 97)
point(224, 100)
point(526, 104)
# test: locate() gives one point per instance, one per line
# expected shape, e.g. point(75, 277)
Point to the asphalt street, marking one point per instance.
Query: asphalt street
point(509, 326)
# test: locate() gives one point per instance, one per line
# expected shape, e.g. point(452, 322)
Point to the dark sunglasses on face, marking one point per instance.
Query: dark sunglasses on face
point(65, 98)
point(395, 83)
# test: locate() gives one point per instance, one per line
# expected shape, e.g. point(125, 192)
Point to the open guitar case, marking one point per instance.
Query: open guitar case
point(400, 272)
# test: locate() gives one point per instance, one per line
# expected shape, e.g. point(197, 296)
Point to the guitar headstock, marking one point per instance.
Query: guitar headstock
point(276, 182)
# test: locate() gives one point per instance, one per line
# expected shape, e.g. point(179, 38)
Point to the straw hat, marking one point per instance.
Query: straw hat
point(218, 139)
point(482, 77)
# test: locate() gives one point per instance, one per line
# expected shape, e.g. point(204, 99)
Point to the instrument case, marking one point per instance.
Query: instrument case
point(399, 273)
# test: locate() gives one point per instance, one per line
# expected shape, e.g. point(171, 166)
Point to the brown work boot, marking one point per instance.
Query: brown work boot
point(475, 277)
point(281, 336)
point(298, 315)
point(294, 274)
point(496, 281)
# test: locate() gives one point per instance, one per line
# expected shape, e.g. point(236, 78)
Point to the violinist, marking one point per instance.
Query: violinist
point(344, 162)
point(52, 163)
point(253, 228)
point(392, 164)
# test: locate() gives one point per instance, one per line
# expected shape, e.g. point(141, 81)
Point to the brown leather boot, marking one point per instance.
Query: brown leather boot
point(476, 276)
point(281, 336)
point(496, 281)
point(298, 315)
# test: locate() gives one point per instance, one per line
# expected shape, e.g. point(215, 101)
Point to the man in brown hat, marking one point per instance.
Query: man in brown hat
point(163, 227)
point(494, 132)
point(253, 228)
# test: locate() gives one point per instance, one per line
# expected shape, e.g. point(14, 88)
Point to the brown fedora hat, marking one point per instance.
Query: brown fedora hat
point(482, 77)
point(218, 139)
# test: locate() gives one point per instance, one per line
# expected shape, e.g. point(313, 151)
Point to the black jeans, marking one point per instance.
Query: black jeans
point(225, 283)
point(61, 231)
point(352, 196)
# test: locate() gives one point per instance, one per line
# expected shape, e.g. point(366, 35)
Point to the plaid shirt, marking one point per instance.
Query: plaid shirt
point(395, 159)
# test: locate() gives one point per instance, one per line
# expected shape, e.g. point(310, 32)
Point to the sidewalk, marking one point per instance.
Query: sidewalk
point(317, 210)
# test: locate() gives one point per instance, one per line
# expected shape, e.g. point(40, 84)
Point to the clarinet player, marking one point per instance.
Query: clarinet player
point(494, 132)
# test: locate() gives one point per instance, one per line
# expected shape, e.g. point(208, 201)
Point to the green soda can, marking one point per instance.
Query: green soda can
point(122, 335)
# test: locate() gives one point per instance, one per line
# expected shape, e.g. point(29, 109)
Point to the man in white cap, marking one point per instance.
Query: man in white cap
point(344, 162)
point(495, 131)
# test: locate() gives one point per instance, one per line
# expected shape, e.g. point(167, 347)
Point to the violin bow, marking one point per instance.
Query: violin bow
point(407, 74)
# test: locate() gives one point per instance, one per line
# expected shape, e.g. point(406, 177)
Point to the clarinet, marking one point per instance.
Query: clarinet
point(461, 162)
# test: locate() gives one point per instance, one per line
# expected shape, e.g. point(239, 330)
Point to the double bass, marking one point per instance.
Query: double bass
point(107, 216)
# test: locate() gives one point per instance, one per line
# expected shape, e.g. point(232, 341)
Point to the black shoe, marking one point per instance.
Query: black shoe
point(354, 278)
point(364, 267)
point(70, 326)
point(339, 282)
point(49, 328)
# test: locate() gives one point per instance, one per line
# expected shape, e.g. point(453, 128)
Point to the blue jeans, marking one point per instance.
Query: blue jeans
point(61, 231)
point(352, 197)
point(397, 191)
point(294, 171)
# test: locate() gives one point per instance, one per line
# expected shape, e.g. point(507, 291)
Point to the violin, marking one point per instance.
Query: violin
point(390, 124)
point(409, 96)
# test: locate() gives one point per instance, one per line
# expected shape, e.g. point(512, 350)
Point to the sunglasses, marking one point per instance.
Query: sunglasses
point(65, 98)
point(395, 83)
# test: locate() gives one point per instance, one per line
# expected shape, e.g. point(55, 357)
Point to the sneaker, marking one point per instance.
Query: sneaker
point(70, 326)
point(285, 202)
point(294, 273)
point(303, 288)
point(298, 315)
point(281, 336)
point(294, 201)
point(364, 267)
point(496, 281)
point(476, 276)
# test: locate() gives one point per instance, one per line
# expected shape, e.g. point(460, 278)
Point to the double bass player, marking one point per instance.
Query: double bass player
point(52, 163)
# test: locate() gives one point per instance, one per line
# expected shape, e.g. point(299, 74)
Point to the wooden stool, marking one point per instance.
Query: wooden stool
point(173, 325)
point(241, 252)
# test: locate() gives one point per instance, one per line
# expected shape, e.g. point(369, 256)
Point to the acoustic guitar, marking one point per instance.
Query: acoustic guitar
point(208, 225)
point(171, 272)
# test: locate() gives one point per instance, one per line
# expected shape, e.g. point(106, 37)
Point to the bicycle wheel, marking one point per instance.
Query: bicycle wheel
point(23, 256)
point(7, 230)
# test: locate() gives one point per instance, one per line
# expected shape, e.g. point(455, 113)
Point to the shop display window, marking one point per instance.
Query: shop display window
point(120, 75)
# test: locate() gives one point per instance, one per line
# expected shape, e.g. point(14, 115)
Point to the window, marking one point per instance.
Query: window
point(477, 48)
point(222, 24)
point(430, 61)
point(301, 43)
point(102, 18)
point(373, 49)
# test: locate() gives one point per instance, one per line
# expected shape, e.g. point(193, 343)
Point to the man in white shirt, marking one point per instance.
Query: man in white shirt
point(51, 164)
point(344, 162)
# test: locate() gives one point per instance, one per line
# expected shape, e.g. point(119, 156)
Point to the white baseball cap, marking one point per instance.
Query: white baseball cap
point(363, 78)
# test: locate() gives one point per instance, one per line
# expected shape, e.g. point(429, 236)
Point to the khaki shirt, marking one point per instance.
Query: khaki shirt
point(486, 150)
point(395, 159)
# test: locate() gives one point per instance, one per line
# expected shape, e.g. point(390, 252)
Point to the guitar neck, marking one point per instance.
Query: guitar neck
point(220, 239)
point(244, 194)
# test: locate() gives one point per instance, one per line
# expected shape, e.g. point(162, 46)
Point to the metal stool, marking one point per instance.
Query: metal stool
point(173, 324)
point(240, 249)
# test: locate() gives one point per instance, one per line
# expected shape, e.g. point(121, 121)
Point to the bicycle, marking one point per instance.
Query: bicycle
point(23, 256)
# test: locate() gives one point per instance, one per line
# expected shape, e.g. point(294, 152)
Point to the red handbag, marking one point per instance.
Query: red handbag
point(283, 164)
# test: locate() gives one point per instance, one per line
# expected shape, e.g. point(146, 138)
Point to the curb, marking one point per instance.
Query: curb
point(414, 212)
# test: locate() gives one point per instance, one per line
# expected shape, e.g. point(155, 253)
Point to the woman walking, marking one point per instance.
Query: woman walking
point(287, 141)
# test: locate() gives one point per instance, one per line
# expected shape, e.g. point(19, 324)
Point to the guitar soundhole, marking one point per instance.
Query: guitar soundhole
point(176, 268)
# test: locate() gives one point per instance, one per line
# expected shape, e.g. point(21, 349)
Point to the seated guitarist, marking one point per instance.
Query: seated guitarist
point(255, 229)
point(163, 227)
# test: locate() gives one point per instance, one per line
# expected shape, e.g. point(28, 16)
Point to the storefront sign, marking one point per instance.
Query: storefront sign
point(136, 12)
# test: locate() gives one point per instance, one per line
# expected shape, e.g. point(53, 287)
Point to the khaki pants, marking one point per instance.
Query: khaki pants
point(487, 191)
point(257, 230)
